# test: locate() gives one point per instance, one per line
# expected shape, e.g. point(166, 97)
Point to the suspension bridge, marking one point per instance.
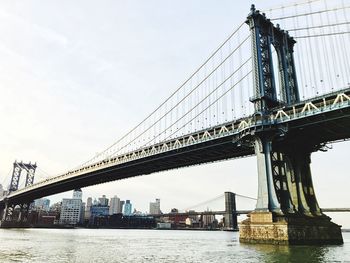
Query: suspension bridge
point(229, 210)
point(278, 87)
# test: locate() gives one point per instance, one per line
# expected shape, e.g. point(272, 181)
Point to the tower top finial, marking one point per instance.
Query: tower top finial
point(252, 8)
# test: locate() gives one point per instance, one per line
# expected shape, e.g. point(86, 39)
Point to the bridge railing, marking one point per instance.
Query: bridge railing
point(329, 102)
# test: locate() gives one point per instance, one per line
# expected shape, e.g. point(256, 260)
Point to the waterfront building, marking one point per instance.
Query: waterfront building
point(72, 209)
point(46, 220)
point(154, 207)
point(98, 213)
point(99, 210)
point(164, 225)
point(122, 206)
point(127, 208)
point(87, 213)
point(82, 213)
point(137, 213)
point(42, 204)
point(178, 220)
point(103, 201)
point(208, 220)
point(89, 202)
point(115, 205)
point(56, 207)
point(189, 221)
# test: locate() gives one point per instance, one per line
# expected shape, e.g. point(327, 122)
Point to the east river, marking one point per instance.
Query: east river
point(115, 245)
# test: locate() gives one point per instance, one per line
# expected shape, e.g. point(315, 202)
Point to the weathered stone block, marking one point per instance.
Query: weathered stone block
point(289, 229)
point(261, 217)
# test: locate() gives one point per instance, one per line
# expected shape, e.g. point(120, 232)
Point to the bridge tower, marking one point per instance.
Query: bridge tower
point(8, 212)
point(16, 174)
point(264, 36)
point(231, 222)
point(287, 210)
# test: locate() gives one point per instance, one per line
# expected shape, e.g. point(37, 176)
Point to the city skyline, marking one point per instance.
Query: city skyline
point(54, 124)
point(103, 200)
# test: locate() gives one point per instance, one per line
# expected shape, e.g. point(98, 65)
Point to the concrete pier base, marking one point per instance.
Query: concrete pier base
point(269, 228)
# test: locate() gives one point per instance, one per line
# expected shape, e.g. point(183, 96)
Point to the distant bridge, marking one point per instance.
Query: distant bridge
point(230, 213)
point(238, 212)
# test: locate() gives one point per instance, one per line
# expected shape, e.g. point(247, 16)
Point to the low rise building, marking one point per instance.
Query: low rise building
point(99, 215)
point(42, 204)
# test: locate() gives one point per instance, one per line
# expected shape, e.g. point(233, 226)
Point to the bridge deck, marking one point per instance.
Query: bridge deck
point(319, 120)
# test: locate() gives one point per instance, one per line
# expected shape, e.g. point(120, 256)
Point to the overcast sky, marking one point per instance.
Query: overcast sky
point(77, 75)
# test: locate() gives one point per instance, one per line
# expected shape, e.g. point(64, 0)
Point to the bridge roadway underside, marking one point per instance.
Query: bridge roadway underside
point(301, 132)
point(210, 151)
point(317, 129)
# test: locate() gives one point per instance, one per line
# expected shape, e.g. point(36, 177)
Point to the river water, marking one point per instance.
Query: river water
point(115, 245)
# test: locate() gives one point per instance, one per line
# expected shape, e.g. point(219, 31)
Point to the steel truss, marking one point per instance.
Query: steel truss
point(16, 174)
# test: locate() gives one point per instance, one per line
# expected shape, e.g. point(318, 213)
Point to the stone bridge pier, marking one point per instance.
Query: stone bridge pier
point(14, 215)
point(287, 211)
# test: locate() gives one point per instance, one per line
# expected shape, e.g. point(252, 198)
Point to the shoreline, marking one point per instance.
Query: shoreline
point(346, 230)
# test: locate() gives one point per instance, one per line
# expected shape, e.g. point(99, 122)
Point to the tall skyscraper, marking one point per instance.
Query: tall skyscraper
point(89, 202)
point(72, 209)
point(88, 208)
point(127, 208)
point(122, 206)
point(114, 206)
point(82, 213)
point(154, 207)
point(103, 201)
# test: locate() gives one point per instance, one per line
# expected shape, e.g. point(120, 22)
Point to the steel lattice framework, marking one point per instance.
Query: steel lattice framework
point(18, 167)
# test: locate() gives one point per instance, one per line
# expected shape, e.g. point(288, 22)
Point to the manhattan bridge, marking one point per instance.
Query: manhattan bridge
point(278, 88)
